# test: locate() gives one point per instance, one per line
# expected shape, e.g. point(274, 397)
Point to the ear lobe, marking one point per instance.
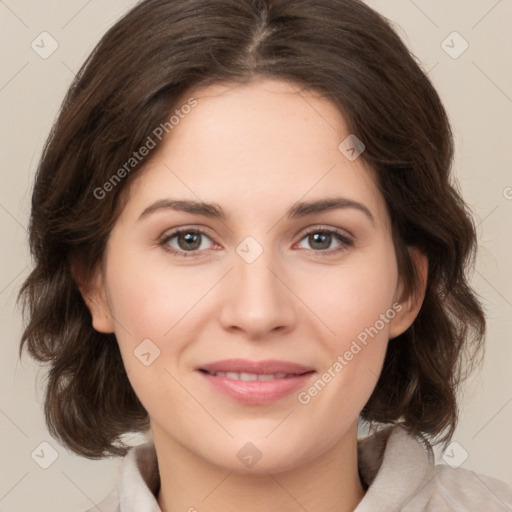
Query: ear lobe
point(93, 291)
point(412, 304)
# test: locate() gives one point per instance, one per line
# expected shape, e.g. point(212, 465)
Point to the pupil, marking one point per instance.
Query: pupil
point(322, 238)
point(192, 239)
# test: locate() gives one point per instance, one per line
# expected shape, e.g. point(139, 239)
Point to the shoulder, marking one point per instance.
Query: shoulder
point(463, 489)
point(400, 473)
point(138, 483)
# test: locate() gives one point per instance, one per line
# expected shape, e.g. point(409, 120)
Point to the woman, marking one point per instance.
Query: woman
point(247, 240)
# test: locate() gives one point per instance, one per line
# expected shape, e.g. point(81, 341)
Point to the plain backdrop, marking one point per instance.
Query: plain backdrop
point(476, 88)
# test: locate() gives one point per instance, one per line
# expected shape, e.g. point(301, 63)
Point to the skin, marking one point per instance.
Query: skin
point(254, 150)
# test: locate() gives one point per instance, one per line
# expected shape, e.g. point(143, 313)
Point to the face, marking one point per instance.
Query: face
point(256, 276)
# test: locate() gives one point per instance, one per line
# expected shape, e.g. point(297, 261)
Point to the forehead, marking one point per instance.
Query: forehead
point(265, 143)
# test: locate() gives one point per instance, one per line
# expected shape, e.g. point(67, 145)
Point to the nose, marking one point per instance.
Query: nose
point(259, 298)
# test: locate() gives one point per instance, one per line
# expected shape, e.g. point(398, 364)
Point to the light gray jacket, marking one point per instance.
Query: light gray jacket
point(398, 469)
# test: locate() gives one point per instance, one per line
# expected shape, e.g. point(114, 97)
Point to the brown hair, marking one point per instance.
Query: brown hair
point(131, 83)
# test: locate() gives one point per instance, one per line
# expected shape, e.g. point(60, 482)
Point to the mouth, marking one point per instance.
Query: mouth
point(264, 367)
point(256, 382)
point(248, 377)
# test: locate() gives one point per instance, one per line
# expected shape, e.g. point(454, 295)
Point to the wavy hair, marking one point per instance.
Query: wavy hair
point(131, 83)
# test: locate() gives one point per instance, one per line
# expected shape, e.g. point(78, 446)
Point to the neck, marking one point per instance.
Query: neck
point(190, 483)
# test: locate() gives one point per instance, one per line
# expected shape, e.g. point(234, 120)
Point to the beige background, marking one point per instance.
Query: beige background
point(477, 90)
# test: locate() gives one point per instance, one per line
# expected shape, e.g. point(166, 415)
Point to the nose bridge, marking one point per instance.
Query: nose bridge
point(258, 301)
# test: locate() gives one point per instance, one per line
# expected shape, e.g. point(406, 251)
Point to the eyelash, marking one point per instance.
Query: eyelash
point(345, 241)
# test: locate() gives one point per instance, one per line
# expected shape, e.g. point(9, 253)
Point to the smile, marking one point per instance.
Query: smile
point(247, 377)
point(255, 388)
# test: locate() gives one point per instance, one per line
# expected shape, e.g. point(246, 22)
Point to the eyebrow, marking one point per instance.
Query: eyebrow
point(298, 210)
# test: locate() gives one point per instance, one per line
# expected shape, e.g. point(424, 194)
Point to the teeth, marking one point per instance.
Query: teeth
point(251, 376)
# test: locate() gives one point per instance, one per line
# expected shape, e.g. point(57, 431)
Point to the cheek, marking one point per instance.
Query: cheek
point(152, 300)
point(149, 297)
point(139, 302)
point(148, 310)
point(355, 303)
point(354, 296)
point(353, 356)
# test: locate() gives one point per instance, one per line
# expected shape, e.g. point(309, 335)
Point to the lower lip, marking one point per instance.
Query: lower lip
point(258, 392)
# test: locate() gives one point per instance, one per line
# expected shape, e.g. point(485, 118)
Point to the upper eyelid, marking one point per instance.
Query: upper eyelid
point(173, 232)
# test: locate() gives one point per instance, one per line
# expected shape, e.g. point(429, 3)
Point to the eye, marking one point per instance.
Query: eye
point(320, 240)
point(193, 241)
point(185, 240)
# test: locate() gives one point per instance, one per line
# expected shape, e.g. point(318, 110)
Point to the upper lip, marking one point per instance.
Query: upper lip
point(267, 366)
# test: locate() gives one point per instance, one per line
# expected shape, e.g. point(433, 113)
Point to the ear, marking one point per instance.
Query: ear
point(93, 291)
point(411, 306)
